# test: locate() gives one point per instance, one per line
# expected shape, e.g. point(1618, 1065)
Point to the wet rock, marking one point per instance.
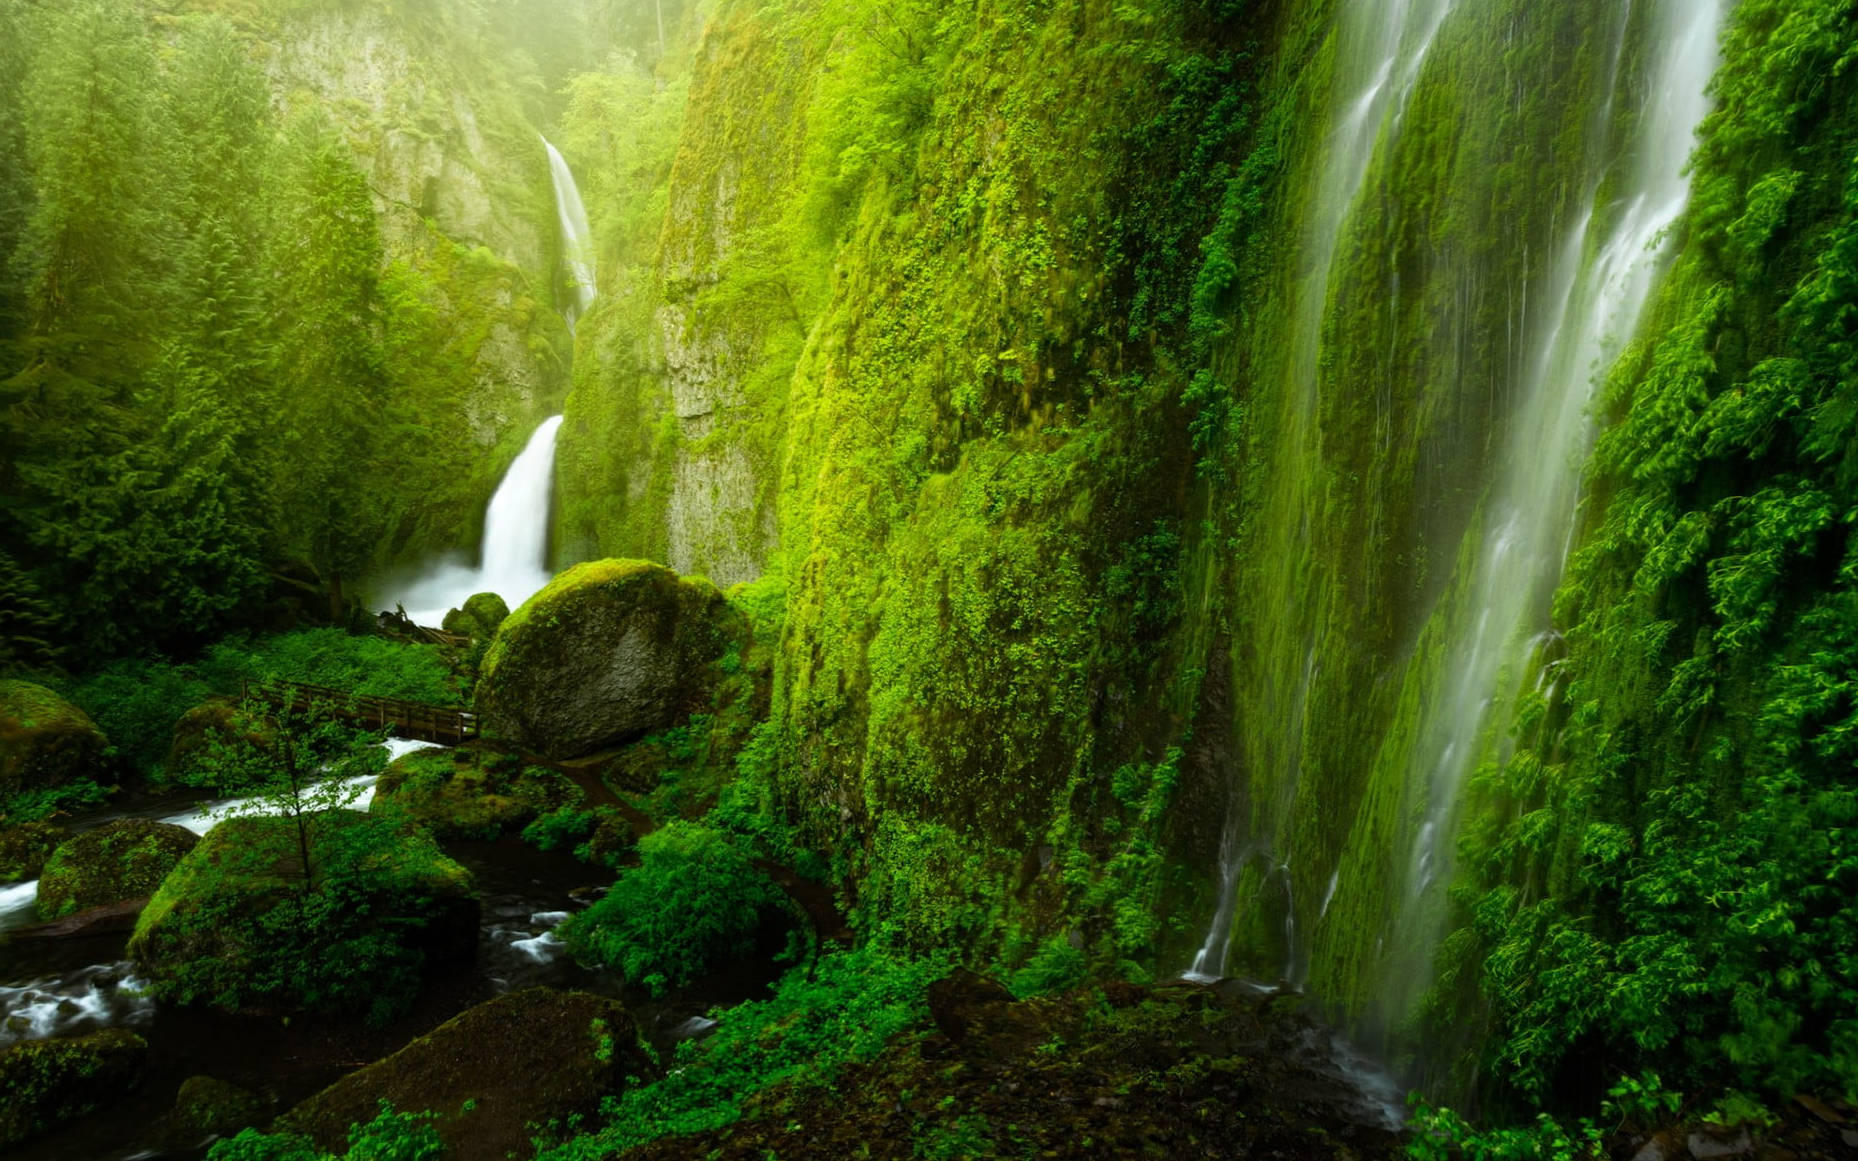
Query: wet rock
point(45, 741)
point(479, 618)
point(1710, 1145)
point(215, 725)
point(959, 1001)
point(239, 925)
point(125, 859)
point(95, 921)
point(24, 849)
point(525, 1059)
point(609, 651)
point(209, 1107)
point(464, 794)
point(1660, 1147)
point(44, 1083)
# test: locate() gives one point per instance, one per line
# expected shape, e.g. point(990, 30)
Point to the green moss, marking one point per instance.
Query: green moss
point(122, 860)
point(455, 793)
point(24, 849)
point(44, 1083)
point(45, 741)
point(242, 921)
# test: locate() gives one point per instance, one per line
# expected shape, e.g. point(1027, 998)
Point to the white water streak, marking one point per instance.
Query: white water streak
point(577, 249)
point(1599, 292)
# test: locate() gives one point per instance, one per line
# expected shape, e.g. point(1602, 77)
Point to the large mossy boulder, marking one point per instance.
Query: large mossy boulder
point(215, 727)
point(24, 849)
point(44, 1083)
point(609, 651)
point(45, 741)
point(242, 924)
point(479, 617)
point(522, 1059)
point(465, 793)
point(121, 860)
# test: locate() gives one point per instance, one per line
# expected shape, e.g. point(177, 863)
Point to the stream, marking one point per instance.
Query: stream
point(82, 983)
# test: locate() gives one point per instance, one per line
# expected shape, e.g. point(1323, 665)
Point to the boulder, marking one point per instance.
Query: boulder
point(44, 740)
point(463, 793)
point(479, 618)
point(567, 1049)
point(213, 725)
point(208, 1107)
point(24, 849)
point(44, 1083)
point(609, 651)
point(125, 859)
point(240, 925)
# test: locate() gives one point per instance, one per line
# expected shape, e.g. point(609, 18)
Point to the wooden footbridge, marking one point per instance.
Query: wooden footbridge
point(406, 719)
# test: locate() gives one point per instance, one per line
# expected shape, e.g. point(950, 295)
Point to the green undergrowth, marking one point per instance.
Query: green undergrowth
point(694, 903)
point(845, 1009)
point(390, 1136)
point(138, 701)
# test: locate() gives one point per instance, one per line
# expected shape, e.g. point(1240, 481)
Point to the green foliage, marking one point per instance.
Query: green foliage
point(1055, 967)
point(300, 901)
point(1693, 912)
point(845, 1010)
point(694, 901)
point(137, 701)
point(210, 347)
point(390, 1136)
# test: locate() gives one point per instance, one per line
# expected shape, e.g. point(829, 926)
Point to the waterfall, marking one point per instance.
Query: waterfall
point(577, 252)
point(1599, 288)
point(515, 559)
point(1387, 41)
point(514, 564)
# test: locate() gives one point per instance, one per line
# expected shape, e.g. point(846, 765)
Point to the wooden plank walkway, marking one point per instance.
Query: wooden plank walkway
point(407, 719)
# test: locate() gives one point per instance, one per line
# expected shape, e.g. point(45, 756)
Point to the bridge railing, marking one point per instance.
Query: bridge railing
point(407, 719)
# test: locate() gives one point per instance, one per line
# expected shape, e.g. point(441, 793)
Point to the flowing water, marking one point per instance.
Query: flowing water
point(1600, 284)
point(577, 251)
point(1570, 316)
point(1387, 41)
point(514, 561)
point(515, 558)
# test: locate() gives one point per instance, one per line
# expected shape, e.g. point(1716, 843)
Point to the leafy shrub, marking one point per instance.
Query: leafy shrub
point(846, 1010)
point(1055, 967)
point(137, 701)
point(390, 1136)
point(566, 826)
point(694, 901)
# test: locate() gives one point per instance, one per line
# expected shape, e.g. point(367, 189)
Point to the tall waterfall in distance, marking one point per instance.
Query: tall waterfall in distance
point(577, 251)
point(514, 564)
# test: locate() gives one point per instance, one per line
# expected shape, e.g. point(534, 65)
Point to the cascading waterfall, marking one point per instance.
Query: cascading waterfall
point(1599, 288)
point(1390, 41)
point(577, 251)
point(515, 560)
point(514, 564)
point(1343, 886)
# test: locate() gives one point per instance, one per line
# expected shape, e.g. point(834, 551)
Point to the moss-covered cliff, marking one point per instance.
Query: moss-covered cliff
point(1131, 399)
